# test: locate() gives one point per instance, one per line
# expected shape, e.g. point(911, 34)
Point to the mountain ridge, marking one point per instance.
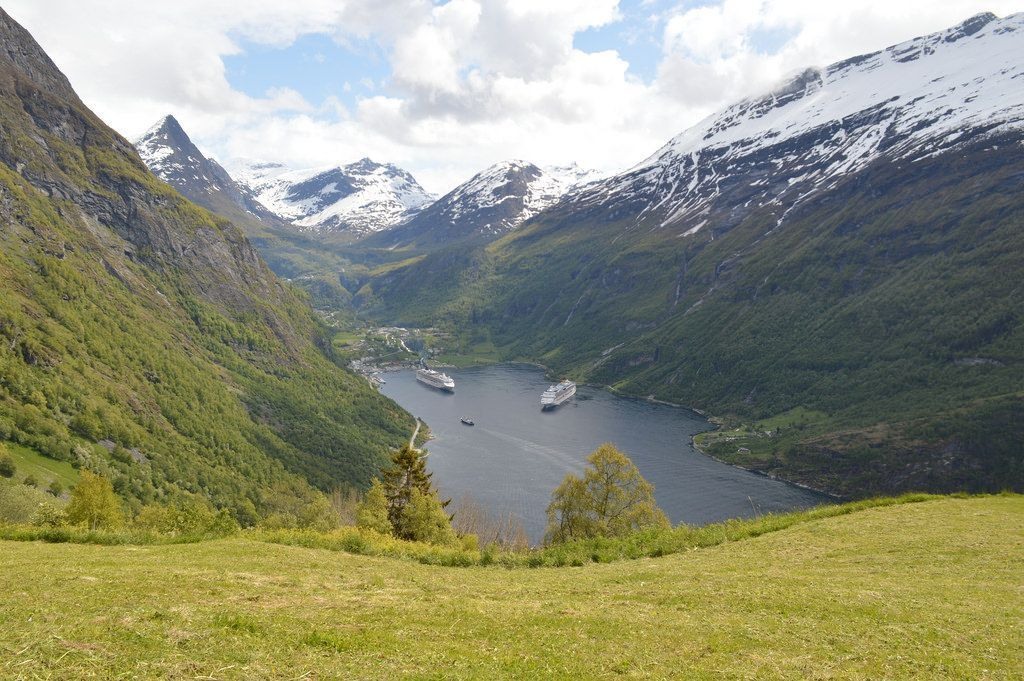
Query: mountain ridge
point(485, 207)
point(837, 119)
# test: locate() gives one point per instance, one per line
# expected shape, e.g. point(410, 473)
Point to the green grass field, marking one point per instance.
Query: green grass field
point(927, 590)
point(45, 469)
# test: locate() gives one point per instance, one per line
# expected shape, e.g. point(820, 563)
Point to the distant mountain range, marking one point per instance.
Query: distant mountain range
point(355, 199)
point(487, 206)
point(841, 256)
point(358, 200)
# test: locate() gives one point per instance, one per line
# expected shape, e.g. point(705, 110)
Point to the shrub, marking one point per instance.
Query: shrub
point(7, 467)
point(49, 515)
point(18, 503)
point(31, 480)
point(319, 515)
point(280, 521)
point(191, 518)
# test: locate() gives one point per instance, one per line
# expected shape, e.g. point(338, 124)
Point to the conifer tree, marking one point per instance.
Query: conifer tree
point(407, 473)
point(373, 510)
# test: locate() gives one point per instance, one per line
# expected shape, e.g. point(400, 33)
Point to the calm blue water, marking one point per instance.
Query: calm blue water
point(515, 455)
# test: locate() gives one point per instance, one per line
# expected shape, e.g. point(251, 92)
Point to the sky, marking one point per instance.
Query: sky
point(447, 88)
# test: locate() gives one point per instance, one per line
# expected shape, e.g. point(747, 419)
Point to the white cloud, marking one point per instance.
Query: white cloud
point(472, 82)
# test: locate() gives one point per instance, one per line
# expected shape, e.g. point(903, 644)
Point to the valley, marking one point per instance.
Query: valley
point(287, 414)
point(877, 298)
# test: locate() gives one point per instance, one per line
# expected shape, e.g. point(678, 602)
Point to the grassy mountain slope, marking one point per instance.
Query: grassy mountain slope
point(928, 589)
point(889, 308)
point(143, 336)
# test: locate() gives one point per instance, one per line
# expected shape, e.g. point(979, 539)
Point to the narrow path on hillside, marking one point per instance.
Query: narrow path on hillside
point(412, 440)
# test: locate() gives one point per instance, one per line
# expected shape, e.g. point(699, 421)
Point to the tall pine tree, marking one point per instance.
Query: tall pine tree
point(408, 472)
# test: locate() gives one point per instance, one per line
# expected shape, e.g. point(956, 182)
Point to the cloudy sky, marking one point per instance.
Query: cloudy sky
point(444, 89)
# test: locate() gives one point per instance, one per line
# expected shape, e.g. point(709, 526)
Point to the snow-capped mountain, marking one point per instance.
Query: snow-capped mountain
point(358, 199)
point(169, 153)
point(917, 98)
point(502, 197)
point(491, 203)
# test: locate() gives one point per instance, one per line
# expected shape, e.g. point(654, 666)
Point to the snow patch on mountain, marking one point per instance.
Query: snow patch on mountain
point(533, 187)
point(358, 198)
point(918, 97)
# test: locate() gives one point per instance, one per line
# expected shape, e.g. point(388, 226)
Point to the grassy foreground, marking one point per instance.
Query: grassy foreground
point(931, 590)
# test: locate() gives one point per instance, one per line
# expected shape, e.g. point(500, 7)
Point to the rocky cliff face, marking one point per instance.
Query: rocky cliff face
point(60, 148)
point(170, 154)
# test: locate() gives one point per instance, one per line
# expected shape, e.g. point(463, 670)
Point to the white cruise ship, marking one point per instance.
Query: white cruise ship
point(557, 394)
point(435, 379)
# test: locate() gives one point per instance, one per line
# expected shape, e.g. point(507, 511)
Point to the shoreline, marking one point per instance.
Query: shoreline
point(709, 418)
point(764, 474)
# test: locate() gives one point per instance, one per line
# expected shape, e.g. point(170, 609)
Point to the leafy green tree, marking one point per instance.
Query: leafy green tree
point(94, 504)
point(408, 472)
point(612, 499)
point(319, 515)
point(424, 519)
point(55, 488)
point(372, 512)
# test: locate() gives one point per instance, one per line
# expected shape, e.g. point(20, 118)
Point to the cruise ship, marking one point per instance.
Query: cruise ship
point(557, 394)
point(435, 379)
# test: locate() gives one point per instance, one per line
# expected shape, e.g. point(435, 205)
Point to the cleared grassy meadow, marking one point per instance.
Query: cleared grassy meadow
point(932, 589)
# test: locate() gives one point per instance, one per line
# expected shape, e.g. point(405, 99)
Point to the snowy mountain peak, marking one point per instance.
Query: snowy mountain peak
point(922, 96)
point(942, 74)
point(491, 203)
point(530, 189)
point(358, 198)
point(166, 125)
point(164, 140)
point(169, 153)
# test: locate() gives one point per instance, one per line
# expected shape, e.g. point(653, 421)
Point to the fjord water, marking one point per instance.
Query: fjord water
point(515, 455)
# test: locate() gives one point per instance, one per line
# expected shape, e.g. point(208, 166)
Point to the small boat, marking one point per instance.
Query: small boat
point(467, 421)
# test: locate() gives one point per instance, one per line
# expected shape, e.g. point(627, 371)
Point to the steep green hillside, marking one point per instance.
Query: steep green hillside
point(926, 590)
point(144, 337)
point(889, 306)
